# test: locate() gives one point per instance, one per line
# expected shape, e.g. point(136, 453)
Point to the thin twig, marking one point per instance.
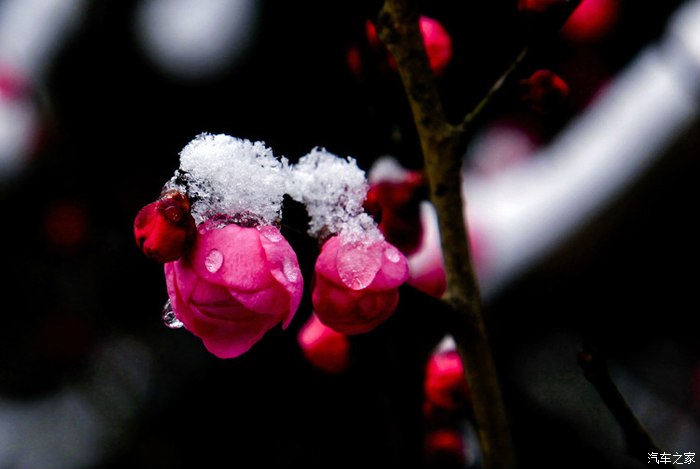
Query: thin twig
point(639, 443)
point(494, 91)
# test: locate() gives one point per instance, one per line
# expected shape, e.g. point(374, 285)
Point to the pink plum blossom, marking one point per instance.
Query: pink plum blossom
point(323, 347)
point(234, 285)
point(357, 284)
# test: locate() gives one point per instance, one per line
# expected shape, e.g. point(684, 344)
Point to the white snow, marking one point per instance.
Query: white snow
point(232, 177)
point(333, 190)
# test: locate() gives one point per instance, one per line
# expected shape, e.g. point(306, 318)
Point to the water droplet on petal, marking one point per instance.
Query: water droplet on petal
point(291, 271)
point(357, 266)
point(169, 318)
point(392, 254)
point(271, 233)
point(214, 260)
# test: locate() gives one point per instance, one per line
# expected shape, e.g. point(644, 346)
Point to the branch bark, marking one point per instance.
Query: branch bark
point(441, 145)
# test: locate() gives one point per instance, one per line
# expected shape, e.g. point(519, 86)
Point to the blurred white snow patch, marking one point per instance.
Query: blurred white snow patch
point(334, 190)
point(193, 39)
point(18, 126)
point(447, 344)
point(498, 147)
point(387, 169)
point(234, 177)
point(529, 209)
point(31, 30)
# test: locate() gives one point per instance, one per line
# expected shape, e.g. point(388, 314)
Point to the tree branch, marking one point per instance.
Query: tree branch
point(440, 142)
point(639, 443)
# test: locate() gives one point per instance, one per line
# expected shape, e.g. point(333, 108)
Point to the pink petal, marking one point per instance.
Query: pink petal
point(394, 270)
point(357, 265)
point(284, 267)
point(181, 282)
point(232, 256)
point(271, 301)
point(352, 312)
point(229, 339)
point(326, 262)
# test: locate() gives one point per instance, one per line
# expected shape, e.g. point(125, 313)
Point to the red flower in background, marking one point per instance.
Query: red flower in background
point(544, 91)
point(395, 204)
point(438, 44)
point(591, 20)
point(357, 284)
point(234, 285)
point(445, 446)
point(445, 384)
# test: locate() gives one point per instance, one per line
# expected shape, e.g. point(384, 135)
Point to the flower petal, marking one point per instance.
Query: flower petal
point(231, 256)
point(284, 267)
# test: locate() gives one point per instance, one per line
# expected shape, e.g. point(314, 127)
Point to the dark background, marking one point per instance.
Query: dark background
point(114, 126)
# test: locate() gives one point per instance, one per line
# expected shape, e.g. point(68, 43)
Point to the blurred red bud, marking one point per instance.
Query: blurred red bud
point(445, 384)
point(544, 91)
point(323, 347)
point(445, 447)
point(591, 20)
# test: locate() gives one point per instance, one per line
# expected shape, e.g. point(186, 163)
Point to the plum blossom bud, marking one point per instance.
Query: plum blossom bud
point(445, 447)
point(165, 229)
point(438, 44)
point(544, 91)
point(591, 21)
point(357, 284)
point(445, 385)
point(395, 204)
point(323, 347)
point(234, 285)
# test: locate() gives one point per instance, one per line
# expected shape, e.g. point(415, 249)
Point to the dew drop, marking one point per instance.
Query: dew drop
point(214, 260)
point(169, 318)
point(357, 267)
point(392, 254)
point(291, 271)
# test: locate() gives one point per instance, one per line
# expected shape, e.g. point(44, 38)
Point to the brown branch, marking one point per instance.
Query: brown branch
point(639, 443)
point(441, 146)
point(440, 142)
